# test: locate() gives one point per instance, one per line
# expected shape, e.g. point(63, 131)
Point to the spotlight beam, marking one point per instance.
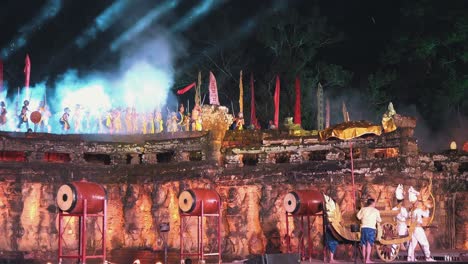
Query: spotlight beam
point(47, 12)
point(102, 22)
point(143, 23)
point(195, 14)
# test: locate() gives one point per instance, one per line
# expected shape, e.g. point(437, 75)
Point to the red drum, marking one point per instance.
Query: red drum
point(70, 197)
point(35, 117)
point(305, 202)
point(190, 201)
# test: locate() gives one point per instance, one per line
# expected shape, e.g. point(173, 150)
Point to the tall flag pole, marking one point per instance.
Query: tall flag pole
point(277, 101)
point(197, 90)
point(327, 113)
point(319, 107)
point(253, 115)
point(345, 112)
point(1, 76)
point(241, 94)
point(27, 72)
point(297, 108)
point(17, 102)
point(213, 88)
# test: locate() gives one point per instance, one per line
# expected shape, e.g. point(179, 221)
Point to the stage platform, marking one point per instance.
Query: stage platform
point(130, 256)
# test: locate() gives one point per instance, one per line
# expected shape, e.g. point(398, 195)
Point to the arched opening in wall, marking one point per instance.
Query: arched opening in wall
point(282, 157)
point(356, 153)
point(57, 157)
point(250, 159)
point(134, 158)
point(195, 156)
point(165, 157)
point(18, 156)
point(318, 155)
point(438, 166)
point(95, 158)
point(463, 167)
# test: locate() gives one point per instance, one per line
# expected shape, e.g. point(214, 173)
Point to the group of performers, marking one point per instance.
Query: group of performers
point(370, 218)
point(114, 121)
point(416, 215)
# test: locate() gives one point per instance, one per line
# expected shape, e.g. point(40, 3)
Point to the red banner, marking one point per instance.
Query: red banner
point(186, 88)
point(253, 115)
point(27, 71)
point(297, 108)
point(213, 88)
point(277, 101)
point(1, 76)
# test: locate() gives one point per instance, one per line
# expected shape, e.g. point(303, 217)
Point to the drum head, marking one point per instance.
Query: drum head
point(187, 201)
point(35, 117)
point(65, 198)
point(291, 202)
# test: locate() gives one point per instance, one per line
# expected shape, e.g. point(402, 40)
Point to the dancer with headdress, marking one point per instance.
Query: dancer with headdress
point(117, 121)
point(181, 118)
point(64, 120)
point(196, 118)
point(23, 116)
point(158, 122)
point(3, 115)
point(77, 118)
point(128, 120)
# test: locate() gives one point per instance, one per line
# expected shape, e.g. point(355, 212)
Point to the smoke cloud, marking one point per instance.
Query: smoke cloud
point(142, 81)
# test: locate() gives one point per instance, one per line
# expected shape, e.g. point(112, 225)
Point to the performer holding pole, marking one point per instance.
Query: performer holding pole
point(419, 236)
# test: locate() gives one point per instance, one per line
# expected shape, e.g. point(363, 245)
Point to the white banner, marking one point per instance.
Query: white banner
point(213, 88)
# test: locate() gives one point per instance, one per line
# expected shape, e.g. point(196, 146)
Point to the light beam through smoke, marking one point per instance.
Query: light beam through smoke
point(47, 12)
point(195, 14)
point(102, 22)
point(143, 23)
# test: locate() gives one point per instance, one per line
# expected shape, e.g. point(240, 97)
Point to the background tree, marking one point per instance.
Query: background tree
point(428, 57)
point(293, 41)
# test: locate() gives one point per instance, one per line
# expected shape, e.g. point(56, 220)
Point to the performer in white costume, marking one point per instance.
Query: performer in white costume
point(419, 236)
point(402, 216)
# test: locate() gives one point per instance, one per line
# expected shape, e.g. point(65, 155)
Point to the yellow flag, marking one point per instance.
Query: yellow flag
point(241, 94)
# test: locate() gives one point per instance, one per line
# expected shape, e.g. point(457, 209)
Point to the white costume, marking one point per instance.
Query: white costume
point(401, 217)
point(419, 236)
point(412, 195)
point(399, 193)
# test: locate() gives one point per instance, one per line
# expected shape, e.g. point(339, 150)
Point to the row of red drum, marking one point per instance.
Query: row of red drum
point(70, 199)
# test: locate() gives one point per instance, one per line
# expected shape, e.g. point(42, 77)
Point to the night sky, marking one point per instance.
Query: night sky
point(50, 44)
point(225, 36)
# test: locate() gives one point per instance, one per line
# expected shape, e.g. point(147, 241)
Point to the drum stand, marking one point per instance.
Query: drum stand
point(164, 229)
point(355, 229)
point(305, 231)
point(82, 256)
point(200, 254)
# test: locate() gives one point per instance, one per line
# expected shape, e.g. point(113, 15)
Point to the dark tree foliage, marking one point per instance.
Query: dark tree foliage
point(422, 62)
point(426, 61)
point(293, 41)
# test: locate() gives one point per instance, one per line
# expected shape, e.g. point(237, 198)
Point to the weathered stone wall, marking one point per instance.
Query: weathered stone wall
point(144, 177)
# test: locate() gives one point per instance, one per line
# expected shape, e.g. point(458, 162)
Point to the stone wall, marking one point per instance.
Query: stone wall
point(143, 176)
